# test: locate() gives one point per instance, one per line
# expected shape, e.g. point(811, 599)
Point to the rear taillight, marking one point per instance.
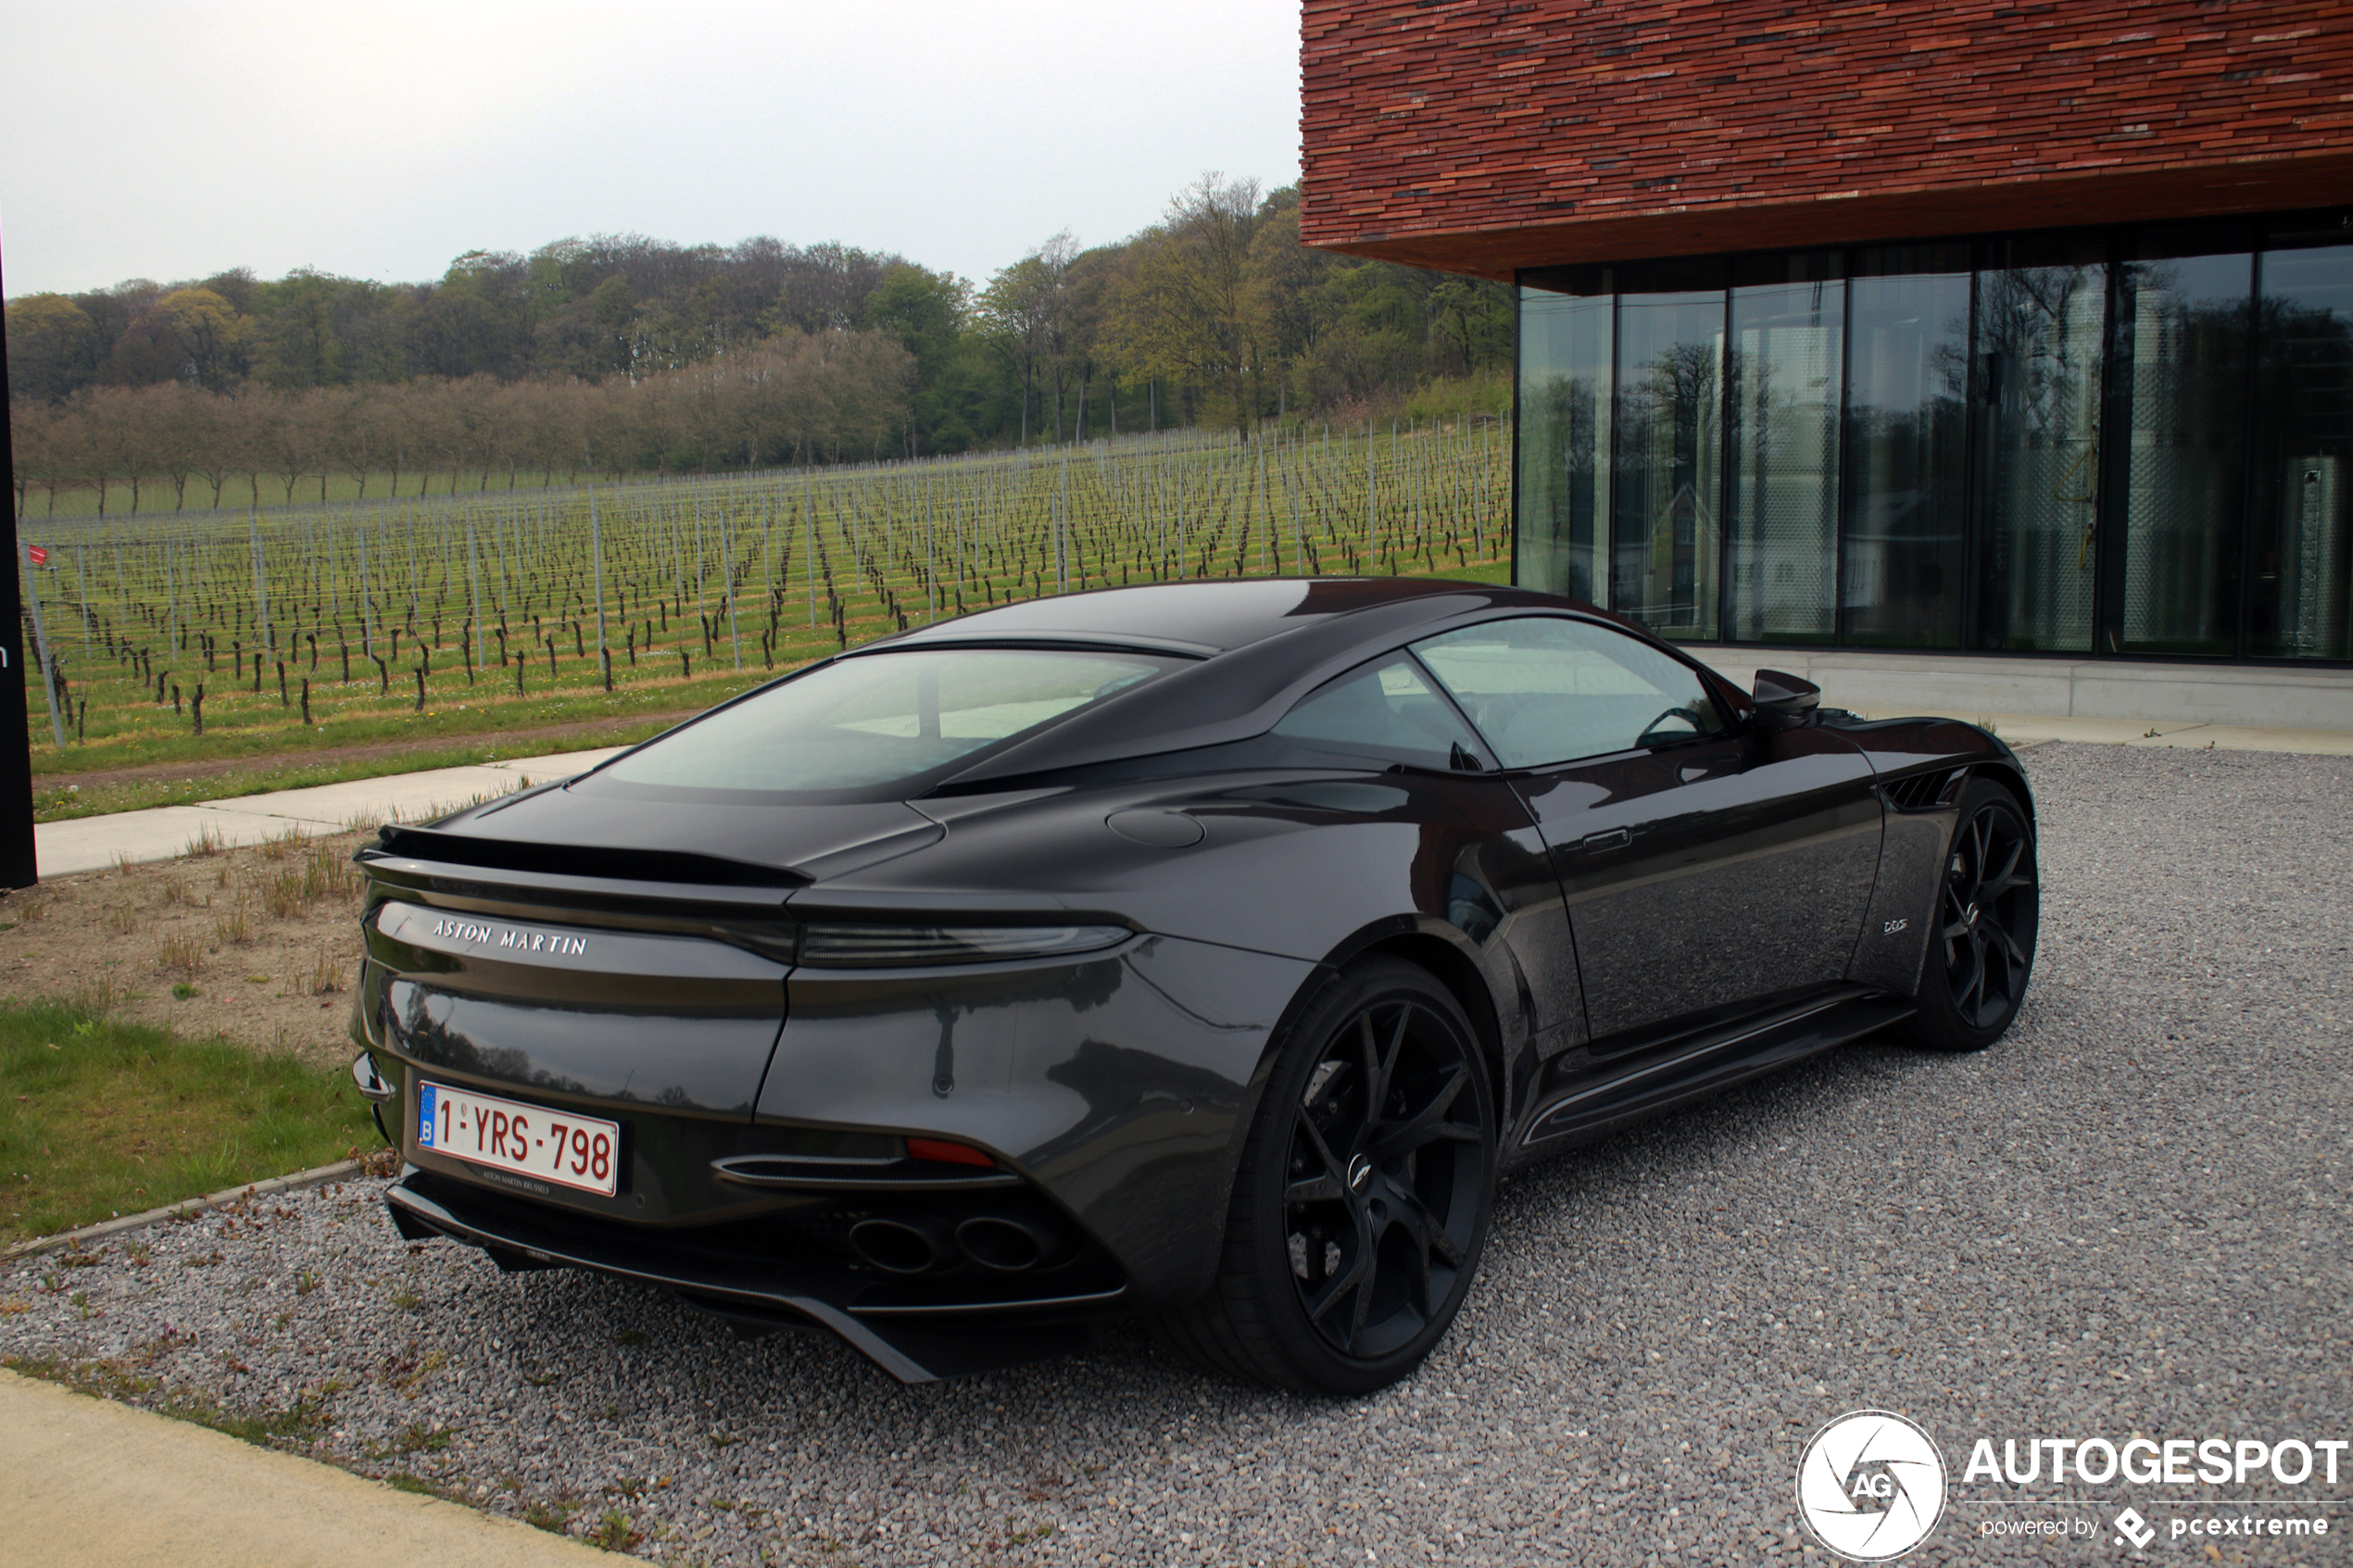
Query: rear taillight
point(946, 1153)
point(825, 945)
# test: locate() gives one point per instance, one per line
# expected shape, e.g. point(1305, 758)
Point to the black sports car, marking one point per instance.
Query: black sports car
point(1203, 951)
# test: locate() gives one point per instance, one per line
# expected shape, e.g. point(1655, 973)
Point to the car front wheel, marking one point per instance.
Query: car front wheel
point(1980, 946)
point(1363, 1197)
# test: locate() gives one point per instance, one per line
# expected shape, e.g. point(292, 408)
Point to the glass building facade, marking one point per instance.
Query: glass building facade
point(2112, 442)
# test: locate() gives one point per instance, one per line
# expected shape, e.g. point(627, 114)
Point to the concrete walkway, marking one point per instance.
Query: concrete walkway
point(95, 1484)
point(2020, 729)
point(92, 844)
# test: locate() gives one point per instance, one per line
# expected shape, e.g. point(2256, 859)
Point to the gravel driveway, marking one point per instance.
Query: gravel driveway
point(2130, 1217)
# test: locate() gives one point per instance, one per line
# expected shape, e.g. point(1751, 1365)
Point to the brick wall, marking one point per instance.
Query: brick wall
point(1482, 135)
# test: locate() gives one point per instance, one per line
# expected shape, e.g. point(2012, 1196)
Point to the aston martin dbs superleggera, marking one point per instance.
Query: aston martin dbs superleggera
point(1203, 951)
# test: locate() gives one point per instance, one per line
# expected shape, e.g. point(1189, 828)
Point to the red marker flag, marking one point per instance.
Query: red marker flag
point(39, 553)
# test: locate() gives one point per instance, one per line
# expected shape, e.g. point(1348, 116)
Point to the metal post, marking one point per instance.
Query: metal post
point(18, 865)
point(596, 555)
point(260, 584)
point(473, 595)
point(727, 570)
point(41, 644)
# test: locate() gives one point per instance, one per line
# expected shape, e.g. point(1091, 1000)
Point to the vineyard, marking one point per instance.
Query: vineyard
point(298, 633)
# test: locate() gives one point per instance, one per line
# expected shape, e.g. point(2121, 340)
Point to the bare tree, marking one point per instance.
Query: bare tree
point(1190, 305)
point(32, 431)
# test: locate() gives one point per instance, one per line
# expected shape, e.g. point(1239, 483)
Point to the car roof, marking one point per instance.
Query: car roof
point(1202, 617)
point(1250, 649)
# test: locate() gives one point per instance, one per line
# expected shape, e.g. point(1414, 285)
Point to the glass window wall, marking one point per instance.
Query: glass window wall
point(1906, 433)
point(1783, 377)
point(2179, 469)
point(1566, 358)
point(2296, 604)
point(2040, 312)
point(2125, 442)
point(1666, 540)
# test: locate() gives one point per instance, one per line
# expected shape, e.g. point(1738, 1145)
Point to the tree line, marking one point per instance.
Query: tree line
point(791, 398)
point(625, 354)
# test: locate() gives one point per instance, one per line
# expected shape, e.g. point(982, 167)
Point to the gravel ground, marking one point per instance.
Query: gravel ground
point(2130, 1217)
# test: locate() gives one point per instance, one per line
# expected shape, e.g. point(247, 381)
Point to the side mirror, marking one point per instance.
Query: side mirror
point(1785, 702)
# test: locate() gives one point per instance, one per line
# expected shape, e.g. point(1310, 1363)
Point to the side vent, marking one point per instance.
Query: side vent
point(1924, 792)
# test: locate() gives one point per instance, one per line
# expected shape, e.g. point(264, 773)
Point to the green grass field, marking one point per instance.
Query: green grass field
point(103, 1118)
point(439, 624)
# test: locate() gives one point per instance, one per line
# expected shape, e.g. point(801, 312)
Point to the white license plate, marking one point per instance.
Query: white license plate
point(530, 1140)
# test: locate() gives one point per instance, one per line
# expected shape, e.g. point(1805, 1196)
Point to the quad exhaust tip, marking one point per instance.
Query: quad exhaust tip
point(1006, 1246)
point(897, 1248)
point(923, 1246)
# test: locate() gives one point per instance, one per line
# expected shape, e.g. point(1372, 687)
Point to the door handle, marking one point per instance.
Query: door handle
point(1691, 772)
point(1616, 838)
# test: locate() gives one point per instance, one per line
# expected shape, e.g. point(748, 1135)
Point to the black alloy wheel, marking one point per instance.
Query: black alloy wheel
point(1981, 947)
point(1363, 1199)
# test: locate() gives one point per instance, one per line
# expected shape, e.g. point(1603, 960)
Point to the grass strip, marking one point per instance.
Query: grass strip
point(103, 798)
point(100, 1118)
point(127, 1379)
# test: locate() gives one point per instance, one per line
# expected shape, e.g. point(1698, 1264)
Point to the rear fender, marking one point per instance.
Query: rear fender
point(1487, 983)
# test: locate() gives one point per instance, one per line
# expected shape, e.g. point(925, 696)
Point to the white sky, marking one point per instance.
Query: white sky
point(171, 140)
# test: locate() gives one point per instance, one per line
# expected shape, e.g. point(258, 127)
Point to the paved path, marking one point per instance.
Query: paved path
point(91, 843)
point(94, 1483)
point(2172, 734)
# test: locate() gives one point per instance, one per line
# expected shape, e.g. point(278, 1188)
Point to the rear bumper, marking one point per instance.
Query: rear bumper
point(752, 1278)
point(1113, 1091)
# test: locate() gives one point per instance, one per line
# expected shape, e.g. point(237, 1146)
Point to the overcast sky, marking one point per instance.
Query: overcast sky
point(170, 141)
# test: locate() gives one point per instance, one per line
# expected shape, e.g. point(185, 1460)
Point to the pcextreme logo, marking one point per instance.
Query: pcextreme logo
point(1871, 1485)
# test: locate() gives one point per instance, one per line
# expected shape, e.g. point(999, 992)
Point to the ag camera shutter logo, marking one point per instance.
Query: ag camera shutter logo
point(1871, 1485)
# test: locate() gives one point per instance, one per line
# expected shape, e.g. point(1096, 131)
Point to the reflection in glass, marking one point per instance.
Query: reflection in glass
point(2297, 601)
point(1780, 511)
point(878, 719)
point(2182, 344)
point(1564, 453)
point(1907, 399)
point(1545, 691)
point(1666, 540)
point(2038, 345)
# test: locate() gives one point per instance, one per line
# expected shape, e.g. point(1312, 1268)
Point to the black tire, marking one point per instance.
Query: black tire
point(1356, 1220)
point(1981, 948)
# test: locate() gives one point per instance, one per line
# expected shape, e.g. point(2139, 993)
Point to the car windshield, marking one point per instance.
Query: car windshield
point(880, 719)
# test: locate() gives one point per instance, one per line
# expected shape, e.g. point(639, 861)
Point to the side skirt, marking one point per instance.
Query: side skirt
point(1689, 1069)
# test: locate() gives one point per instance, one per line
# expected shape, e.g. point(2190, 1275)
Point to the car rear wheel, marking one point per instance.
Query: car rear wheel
point(1980, 946)
point(1363, 1197)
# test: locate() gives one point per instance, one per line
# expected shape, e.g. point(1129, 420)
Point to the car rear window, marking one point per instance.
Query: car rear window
point(1384, 709)
point(880, 719)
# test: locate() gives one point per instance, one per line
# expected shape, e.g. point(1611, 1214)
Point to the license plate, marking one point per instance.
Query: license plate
point(530, 1140)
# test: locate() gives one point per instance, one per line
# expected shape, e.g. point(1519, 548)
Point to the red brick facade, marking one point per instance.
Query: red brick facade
point(1482, 135)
